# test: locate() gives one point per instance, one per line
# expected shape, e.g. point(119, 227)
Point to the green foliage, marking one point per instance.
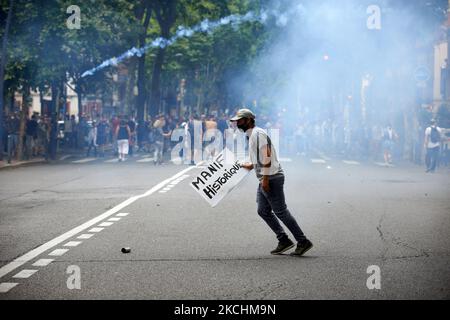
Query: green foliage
point(43, 50)
point(209, 61)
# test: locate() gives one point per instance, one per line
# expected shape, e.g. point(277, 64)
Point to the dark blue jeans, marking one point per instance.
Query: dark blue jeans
point(272, 206)
point(431, 158)
point(13, 142)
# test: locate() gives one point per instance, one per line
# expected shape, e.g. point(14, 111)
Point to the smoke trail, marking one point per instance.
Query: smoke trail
point(205, 26)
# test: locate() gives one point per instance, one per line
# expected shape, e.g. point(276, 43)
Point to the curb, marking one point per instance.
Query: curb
point(21, 164)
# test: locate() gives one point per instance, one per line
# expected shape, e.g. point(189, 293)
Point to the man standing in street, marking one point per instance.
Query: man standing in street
point(270, 194)
point(433, 137)
point(13, 131)
point(389, 138)
point(31, 132)
point(132, 126)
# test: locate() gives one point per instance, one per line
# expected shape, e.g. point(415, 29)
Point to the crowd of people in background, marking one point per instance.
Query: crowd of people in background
point(122, 136)
point(36, 137)
point(119, 135)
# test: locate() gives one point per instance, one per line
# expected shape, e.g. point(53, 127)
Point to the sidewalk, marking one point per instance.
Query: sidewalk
point(60, 156)
point(14, 163)
point(35, 160)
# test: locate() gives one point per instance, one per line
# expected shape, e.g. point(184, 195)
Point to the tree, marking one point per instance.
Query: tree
point(166, 14)
point(105, 31)
point(145, 13)
point(2, 72)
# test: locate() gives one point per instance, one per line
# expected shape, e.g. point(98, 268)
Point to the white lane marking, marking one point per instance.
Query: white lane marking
point(145, 160)
point(85, 236)
point(42, 262)
point(114, 219)
point(72, 243)
point(6, 286)
point(322, 155)
point(65, 157)
point(177, 181)
point(16, 263)
point(351, 162)
point(111, 161)
point(85, 160)
point(383, 164)
point(106, 224)
point(318, 161)
point(122, 214)
point(58, 252)
point(174, 183)
point(24, 274)
point(96, 229)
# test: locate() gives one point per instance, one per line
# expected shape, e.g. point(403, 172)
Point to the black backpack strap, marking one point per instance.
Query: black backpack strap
point(269, 143)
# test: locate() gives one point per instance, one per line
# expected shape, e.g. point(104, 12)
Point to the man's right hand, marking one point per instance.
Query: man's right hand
point(248, 166)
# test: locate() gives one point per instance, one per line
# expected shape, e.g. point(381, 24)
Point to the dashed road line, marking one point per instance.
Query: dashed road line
point(174, 183)
point(24, 274)
point(58, 252)
point(351, 162)
point(6, 286)
point(16, 263)
point(114, 219)
point(42, 262)
point(106, 224)
point(72, 243)
point(85, 236)
point(122, 214)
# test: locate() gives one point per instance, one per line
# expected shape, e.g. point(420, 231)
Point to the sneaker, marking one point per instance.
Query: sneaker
point(302, 247)
point(283, 246)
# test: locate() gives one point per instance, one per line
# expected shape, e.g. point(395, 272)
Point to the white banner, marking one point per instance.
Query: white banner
point(219, 177)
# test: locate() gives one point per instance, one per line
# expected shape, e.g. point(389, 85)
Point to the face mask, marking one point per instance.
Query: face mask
point(245, 126)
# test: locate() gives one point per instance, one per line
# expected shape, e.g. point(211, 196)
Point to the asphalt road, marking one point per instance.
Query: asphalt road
point(357, 215)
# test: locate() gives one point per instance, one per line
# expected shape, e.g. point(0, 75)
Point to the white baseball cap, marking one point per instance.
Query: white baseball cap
point(243, 113)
